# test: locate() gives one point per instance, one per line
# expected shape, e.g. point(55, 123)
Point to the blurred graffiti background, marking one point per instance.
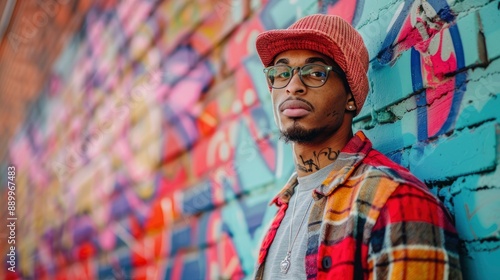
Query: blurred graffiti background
point(143, 145)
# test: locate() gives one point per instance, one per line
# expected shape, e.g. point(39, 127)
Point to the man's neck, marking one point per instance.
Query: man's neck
point(311, 157)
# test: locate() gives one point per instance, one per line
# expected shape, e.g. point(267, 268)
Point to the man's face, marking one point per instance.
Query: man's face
point(309, 115)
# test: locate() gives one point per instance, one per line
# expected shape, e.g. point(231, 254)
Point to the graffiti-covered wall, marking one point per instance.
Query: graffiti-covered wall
point(151, 151)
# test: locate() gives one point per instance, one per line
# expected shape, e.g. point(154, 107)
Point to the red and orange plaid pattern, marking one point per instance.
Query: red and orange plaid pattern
point(372, 219)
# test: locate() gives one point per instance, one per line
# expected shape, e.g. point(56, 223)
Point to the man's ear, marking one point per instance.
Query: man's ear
point(350, 104)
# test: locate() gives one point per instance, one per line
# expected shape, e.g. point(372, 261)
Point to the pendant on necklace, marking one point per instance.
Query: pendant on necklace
point(285, 263)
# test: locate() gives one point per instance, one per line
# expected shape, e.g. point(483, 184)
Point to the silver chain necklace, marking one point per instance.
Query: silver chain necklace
point(285, 263)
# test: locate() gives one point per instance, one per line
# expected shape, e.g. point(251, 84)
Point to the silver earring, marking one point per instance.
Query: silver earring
point(350, 107)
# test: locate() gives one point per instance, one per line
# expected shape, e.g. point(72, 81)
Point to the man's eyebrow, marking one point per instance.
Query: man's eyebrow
point(317, 59)
point(282, 60)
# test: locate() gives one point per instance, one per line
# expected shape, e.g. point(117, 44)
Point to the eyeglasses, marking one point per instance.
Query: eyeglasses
point(312, 75)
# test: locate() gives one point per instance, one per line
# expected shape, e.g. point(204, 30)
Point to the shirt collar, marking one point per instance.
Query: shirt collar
point(349, 158)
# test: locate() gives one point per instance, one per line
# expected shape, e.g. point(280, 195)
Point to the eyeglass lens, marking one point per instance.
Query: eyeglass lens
point(312, 75)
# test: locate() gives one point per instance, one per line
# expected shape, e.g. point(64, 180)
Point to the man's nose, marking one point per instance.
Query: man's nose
point(295, 86)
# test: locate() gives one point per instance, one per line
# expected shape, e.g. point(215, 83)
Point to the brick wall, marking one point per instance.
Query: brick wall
point(151, 151)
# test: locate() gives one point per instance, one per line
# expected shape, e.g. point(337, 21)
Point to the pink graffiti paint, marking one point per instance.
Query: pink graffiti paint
point(437, 57)
point(345, 9)
point(440, 89)
point(241, 45)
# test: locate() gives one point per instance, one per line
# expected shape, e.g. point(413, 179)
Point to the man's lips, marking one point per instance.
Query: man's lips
point(294, 108)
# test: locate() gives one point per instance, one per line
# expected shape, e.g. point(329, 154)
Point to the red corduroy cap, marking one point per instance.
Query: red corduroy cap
point(327, 34)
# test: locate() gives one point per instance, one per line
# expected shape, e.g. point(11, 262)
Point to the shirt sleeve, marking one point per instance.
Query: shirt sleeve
point(413, 238)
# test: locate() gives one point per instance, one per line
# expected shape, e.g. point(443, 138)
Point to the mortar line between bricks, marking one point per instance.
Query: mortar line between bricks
point(477, 245)
point(377, 15)
point(393, 105)
point(472, 9)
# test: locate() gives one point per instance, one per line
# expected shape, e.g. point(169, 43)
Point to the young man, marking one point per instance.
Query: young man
point(348, 212)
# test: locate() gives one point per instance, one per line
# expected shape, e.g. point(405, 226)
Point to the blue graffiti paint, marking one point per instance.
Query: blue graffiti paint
point(386, 52)
point(386, 55)
point(460, 78)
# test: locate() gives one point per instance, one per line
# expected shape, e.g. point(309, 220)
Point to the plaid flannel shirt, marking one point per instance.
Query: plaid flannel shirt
point(372, 219)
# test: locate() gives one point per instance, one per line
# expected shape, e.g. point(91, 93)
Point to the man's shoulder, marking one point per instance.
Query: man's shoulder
point(376, 165)
point(379, 177)
point(372, 165)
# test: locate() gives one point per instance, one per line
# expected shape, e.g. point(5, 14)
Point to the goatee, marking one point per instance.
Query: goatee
point(299, 134)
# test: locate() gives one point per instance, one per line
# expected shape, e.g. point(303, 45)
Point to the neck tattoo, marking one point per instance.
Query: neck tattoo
point(312, 164)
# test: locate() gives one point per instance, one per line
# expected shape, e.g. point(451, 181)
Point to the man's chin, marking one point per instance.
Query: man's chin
point(299, 134)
